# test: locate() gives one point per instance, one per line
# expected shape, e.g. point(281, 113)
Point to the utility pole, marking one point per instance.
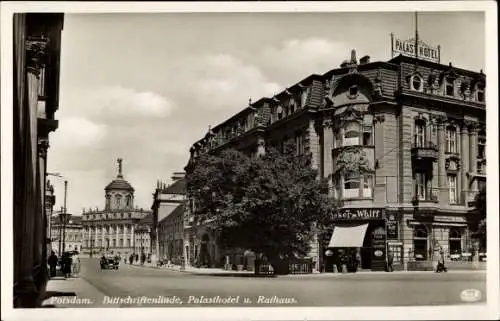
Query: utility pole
point(64, 223)
point(60, 231)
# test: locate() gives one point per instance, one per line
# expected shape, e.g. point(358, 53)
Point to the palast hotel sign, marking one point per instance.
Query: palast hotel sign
point(412, 48)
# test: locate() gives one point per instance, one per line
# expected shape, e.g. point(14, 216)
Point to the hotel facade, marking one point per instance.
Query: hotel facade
point(402, 143)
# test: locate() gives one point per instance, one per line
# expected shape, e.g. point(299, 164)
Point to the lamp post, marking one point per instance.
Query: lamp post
point(64, 218)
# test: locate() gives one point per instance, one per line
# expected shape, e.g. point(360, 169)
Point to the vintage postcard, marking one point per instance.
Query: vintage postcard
point(249, 160)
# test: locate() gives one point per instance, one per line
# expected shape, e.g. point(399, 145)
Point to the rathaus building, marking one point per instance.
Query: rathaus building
point(402, 143)
point(118, 227)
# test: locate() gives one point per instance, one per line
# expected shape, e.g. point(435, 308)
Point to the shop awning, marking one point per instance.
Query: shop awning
point(351, 236)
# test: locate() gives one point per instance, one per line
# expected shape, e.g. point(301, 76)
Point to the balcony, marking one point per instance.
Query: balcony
point(424, 150)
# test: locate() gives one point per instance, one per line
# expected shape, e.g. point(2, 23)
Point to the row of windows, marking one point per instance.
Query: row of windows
point(451, 138)
point(107, 243)
point(118, 202)
point(110, 216)
point(422, 250)
point(449, 87)
point(294, 103)
point(425, 192)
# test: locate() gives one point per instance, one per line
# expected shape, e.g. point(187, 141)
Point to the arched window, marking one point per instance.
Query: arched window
point(108, 200)
point(455, 241)
point(420, 235)
point(351, 133)
point(129, 200)
point(351, 185)
point(417, 83)
point(118, 199)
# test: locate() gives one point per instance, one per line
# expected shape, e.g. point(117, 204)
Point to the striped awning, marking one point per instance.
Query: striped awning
point(351, 236)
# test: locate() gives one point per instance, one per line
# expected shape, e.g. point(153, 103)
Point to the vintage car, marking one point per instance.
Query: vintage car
point(109, 262)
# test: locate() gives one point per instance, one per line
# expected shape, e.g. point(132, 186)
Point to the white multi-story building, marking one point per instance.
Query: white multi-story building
point(113, 229)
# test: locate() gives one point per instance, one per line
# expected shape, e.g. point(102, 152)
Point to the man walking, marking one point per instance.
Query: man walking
point(52, 261)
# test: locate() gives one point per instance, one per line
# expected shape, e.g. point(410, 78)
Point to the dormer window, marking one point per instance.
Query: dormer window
point(292, 106)
point(305, 93)
point(416, 83)
point(353, 91)
point(480, 93)
point(279, 112)
point(449, 87)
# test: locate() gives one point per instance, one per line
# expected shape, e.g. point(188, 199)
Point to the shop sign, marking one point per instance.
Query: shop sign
point(378, 253)
point(392, 230)
point(411, 48)
point(359, 214)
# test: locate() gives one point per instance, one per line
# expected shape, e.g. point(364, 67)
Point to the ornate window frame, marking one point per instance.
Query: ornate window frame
point(417, 78)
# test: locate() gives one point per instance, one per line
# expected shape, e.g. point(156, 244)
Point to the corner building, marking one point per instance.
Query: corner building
point(402, 143)
point(120, 227)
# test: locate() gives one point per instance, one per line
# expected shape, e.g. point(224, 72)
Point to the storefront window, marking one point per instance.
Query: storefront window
point(455, 241)
point(420, 243)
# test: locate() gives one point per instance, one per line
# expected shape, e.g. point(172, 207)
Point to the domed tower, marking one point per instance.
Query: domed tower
point(119, 193)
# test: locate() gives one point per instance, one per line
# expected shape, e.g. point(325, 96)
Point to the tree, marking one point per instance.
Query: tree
point(270, 204)
point(477, 219)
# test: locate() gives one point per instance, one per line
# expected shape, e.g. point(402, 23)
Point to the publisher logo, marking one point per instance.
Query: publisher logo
point(470, 295)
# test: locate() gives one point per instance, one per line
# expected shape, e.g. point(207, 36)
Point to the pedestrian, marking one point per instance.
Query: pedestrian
point(52, 261)
point(390, 261)
point(441, 267)
point(66, 264)
point(358, 260)
point(75, 264)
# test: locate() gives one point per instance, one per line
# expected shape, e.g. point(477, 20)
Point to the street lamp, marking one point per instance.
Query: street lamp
point(64, 218)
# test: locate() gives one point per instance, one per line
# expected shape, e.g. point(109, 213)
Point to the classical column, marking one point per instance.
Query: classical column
point(473, 155)
point(28, 210)
point(442, 184)
point(103, 228)
point(124, 227)
point(464, 160)
point(89, 238)
point(117, 236)
point(132, 236)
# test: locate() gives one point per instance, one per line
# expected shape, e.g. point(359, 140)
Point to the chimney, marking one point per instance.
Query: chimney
point(364, 60)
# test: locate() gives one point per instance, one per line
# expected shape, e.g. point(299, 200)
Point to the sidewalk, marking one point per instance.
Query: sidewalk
point(222, 272)
point(72, 293)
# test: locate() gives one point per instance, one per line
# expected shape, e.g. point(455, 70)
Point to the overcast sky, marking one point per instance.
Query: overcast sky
point(144, 87)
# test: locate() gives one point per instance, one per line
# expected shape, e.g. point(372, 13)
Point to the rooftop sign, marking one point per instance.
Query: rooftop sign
point(414, 49)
